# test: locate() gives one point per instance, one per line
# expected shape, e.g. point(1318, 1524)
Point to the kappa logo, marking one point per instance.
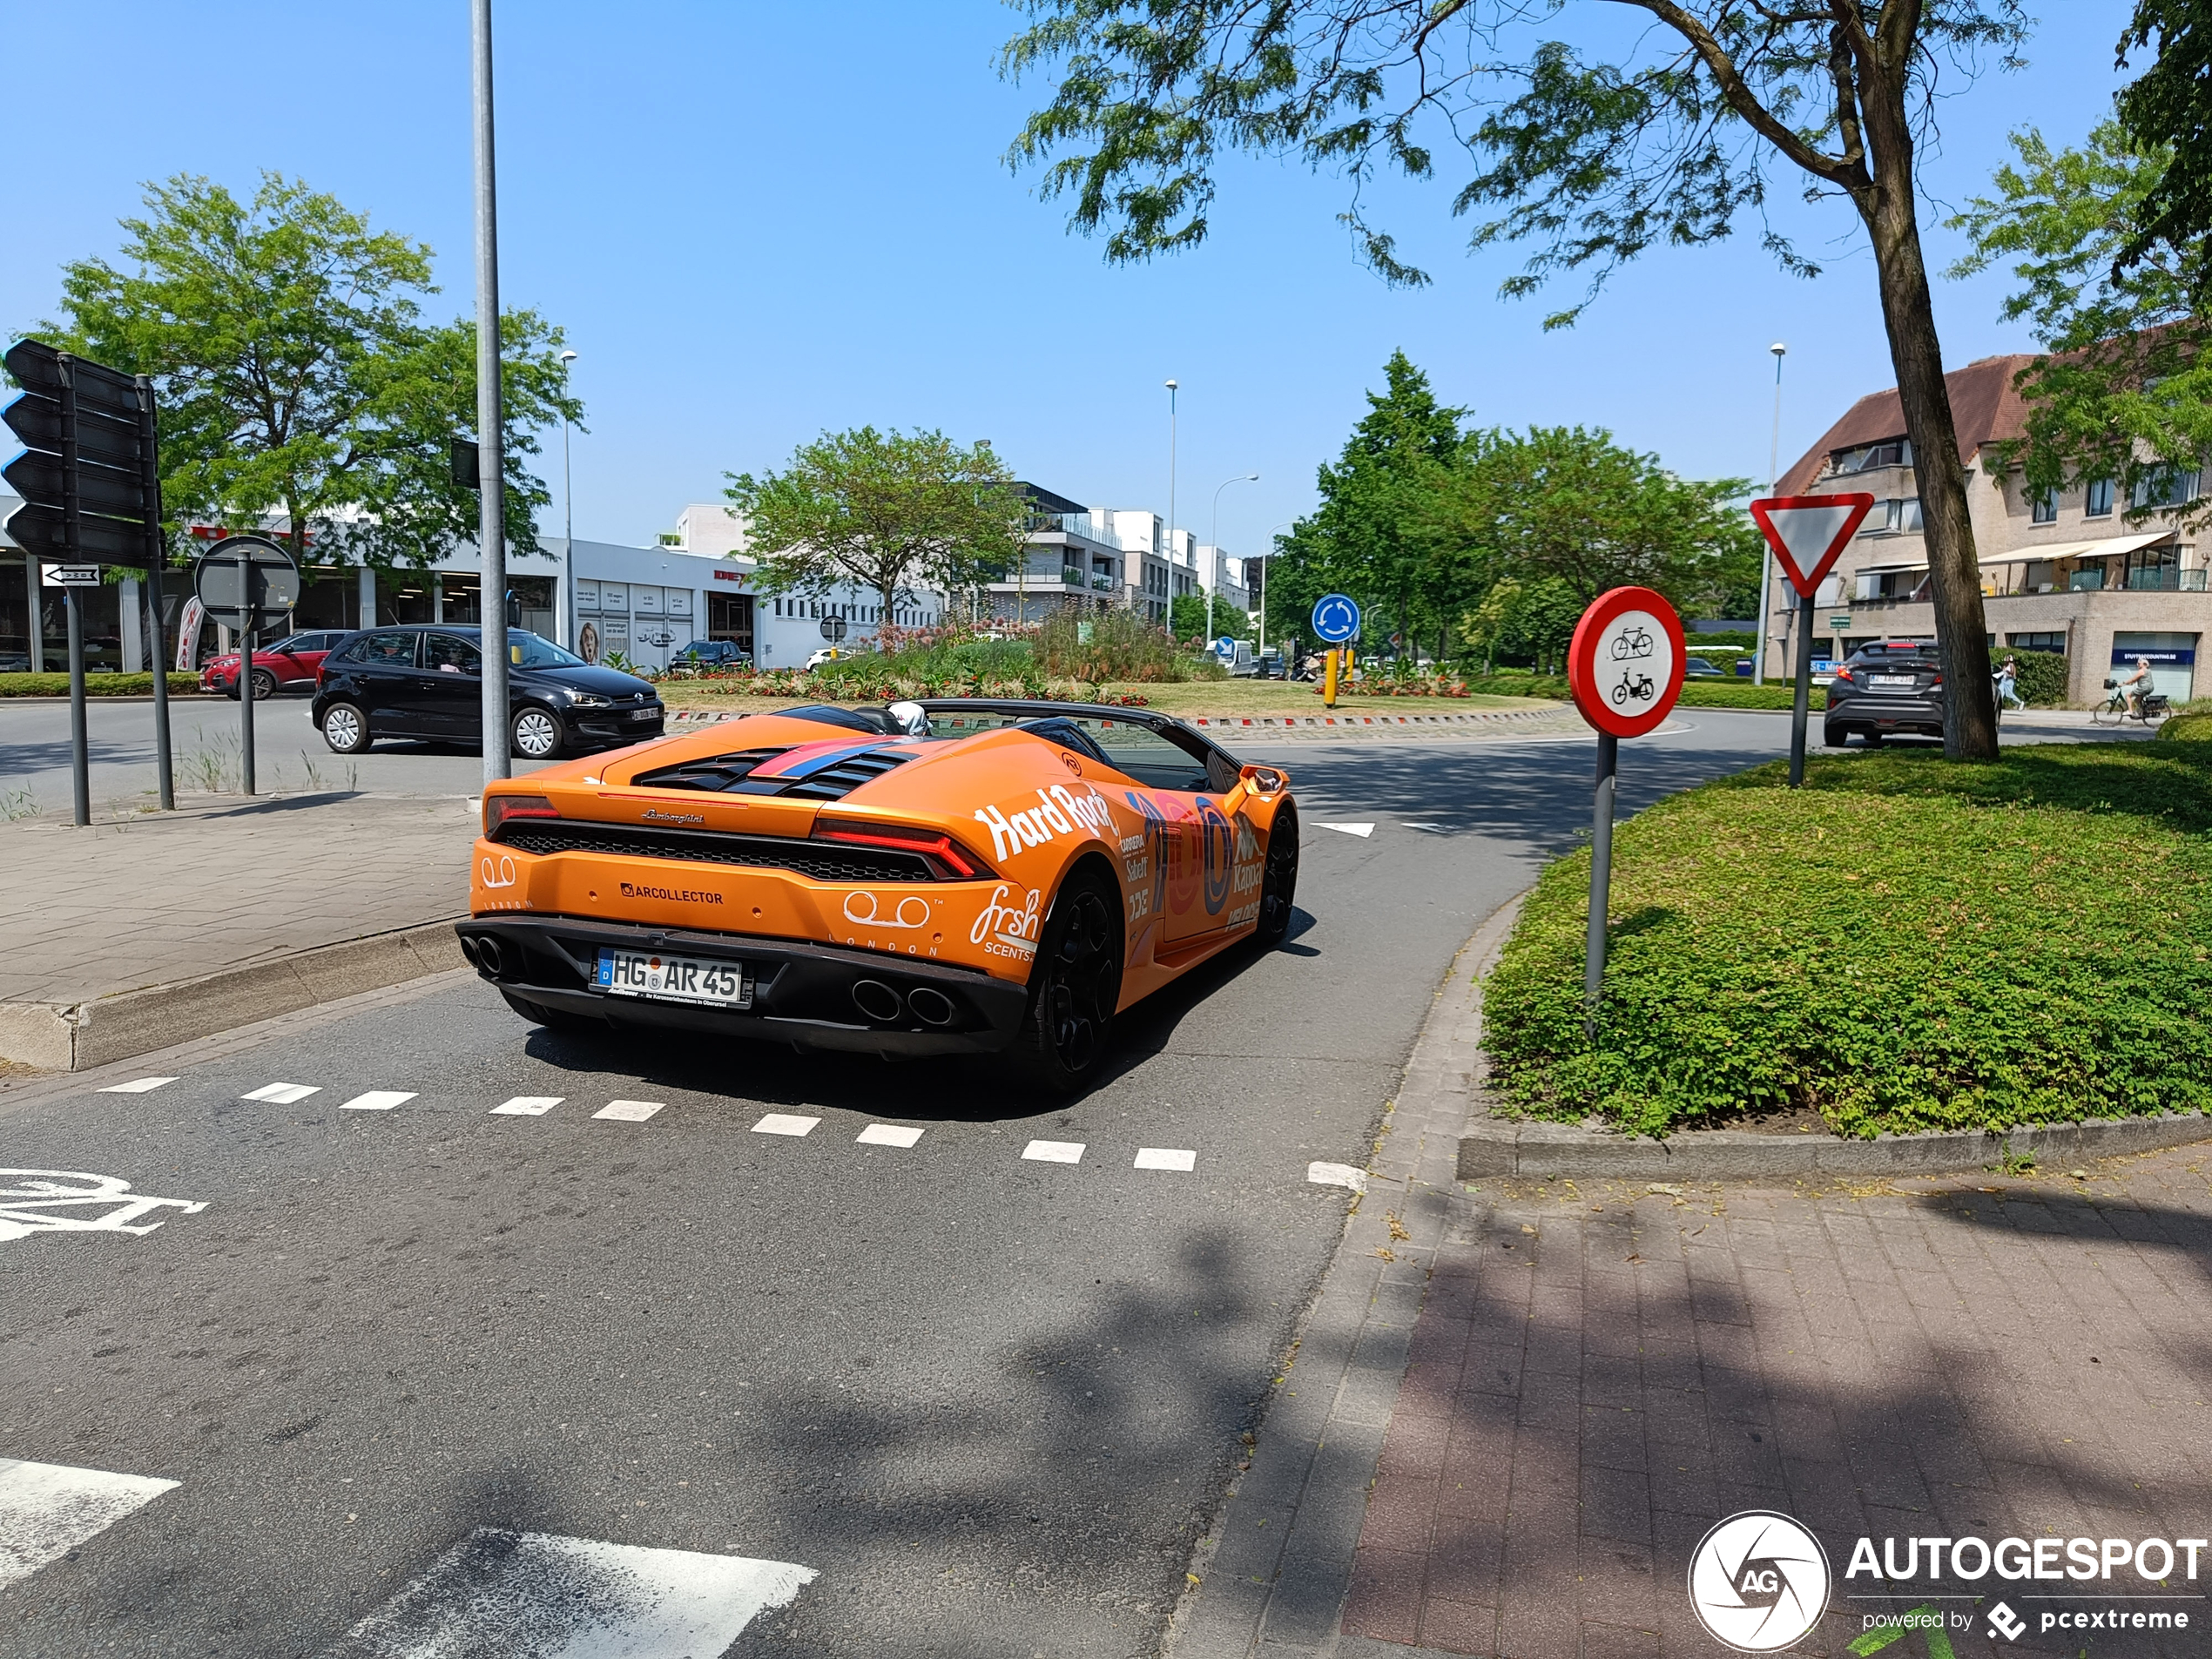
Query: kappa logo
point(1059, 811)
point(1759, 1581)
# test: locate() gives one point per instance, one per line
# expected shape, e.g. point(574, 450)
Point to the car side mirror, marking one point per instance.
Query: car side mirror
point(1252, 782)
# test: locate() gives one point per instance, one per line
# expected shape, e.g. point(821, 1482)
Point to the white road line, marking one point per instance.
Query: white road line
point(531, 1594)
point(1363, 831)
point(378, 1100)
point(887, 1134)
point(1165, 1157)
point(785, 1124)
point(628, 1111)
point(1053, 1151)
point(529, 1105)
point(1337, 1175)
point(283, 1094)
point(48, 1509)
point(136, 1086)
point(1434, 829)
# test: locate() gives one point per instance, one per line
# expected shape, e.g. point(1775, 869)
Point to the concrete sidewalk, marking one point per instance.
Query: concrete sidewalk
point(148, 928)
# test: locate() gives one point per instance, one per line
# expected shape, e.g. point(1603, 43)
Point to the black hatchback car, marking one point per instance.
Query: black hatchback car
point(428, 682)
point(1885, 690)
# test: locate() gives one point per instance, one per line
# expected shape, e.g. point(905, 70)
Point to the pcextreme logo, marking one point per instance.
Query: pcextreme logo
point(1758, 1581)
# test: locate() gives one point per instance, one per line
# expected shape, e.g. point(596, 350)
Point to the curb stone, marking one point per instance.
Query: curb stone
point(1272, 1572)
point(54, 1036)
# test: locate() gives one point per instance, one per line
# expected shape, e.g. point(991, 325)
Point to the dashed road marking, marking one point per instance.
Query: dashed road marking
point(528, 1105)
point(1434, 829)
point(1363, 831)
point(136, 1086)
point(504, 1593)
point(888, 1135)
point(628, 1111)
point(1337, 1175)
point(785, 1124)
point(1053, 1151)
point(283, 1094)
point(378, 1100)
point(48, 1509)
point(1165, 1157)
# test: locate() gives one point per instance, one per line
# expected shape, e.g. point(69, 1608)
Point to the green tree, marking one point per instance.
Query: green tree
point(890, 512)
point(2125, 390)
point(1187, 617)
point(2169, 109)
point(1535, 620)
point(1670, 141)
point(295, 375)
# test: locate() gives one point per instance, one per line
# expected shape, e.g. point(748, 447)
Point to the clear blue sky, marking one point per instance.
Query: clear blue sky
point(756, 225)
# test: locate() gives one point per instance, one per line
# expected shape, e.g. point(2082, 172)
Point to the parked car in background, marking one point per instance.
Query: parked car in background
point(709, 656)
point(1885, 690)
point(289, 665)
point(428, 682)
point(1697, 668)
point(833, 654)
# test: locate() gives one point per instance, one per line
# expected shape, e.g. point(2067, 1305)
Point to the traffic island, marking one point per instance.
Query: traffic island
point(1909, 965)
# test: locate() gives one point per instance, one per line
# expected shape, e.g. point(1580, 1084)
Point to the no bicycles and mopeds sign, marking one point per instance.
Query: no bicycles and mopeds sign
point(1626, 662)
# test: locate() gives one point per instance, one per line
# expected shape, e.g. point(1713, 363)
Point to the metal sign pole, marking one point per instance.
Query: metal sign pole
point(245, 689)
point(1802, 704)
point(491, 530)
point(72, 519)
point(150, 481)
point(1608, 764)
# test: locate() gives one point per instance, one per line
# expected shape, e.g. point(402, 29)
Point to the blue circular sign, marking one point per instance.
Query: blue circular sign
point(1336, 618)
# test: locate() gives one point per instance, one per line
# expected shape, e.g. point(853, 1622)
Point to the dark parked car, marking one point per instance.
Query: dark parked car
point(428, 683)
point(1884, 690)
point(1697, 668)
point(712, 656)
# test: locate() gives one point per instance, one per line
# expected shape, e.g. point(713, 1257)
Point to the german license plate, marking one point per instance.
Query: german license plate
point(673, 979)
point(644, 714)
point(1899, 682)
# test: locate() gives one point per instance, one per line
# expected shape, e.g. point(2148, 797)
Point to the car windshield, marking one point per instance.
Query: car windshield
point(528, 651)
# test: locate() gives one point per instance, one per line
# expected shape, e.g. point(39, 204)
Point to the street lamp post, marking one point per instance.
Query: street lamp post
point(1267, 559)
point(1166, 552)
point(1766, 554)
point(1214, 574)
point(568, 523)
point(491, 527)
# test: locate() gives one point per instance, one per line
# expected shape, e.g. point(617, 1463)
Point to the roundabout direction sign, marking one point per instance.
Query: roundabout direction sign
point(1336, 618)
point(1625, 667)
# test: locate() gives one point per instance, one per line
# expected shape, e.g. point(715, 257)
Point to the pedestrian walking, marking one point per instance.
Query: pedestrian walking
point(2008, 695)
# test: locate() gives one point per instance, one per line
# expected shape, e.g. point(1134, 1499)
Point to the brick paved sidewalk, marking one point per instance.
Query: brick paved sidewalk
point(222, 886)
point(1598, 1375)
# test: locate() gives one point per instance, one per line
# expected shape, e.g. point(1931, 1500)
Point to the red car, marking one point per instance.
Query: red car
point(290, 665)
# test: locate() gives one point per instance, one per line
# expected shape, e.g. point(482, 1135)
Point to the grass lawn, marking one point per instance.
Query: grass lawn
point(1195, 697)
point(95, 684)
point(1905, 944)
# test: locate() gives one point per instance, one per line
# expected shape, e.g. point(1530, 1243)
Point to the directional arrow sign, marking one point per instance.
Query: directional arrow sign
point(38, 477)
point(37, 420)
point(37, 367)
point(1808, 532)
point(44, 532)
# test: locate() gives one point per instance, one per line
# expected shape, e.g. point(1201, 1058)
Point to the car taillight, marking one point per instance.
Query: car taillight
point(499, 808)
point(963, 864)
point(1843, 674)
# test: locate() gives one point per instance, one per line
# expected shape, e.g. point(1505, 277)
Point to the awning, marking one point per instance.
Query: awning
point(2110, 547)
point(1888, 570)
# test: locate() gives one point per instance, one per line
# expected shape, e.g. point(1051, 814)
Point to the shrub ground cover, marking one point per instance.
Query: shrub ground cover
point(95, 684)
point(1905, 944)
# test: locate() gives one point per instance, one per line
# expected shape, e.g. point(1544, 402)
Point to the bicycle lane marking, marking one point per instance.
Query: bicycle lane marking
point(48, 1509)
point(33, 1200)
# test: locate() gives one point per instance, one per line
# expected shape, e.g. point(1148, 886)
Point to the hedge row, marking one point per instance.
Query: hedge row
point(1697, 693)
point(95, 684)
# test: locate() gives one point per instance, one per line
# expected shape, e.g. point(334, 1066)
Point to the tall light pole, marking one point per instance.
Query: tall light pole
point(1267, 559)
point(1241, 478)
point(568, 523)
point(1766, 554)
point(491, 526)
point(1166, 552)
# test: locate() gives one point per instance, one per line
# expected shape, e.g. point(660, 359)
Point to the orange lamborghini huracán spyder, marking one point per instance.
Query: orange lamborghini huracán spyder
point(929, 878)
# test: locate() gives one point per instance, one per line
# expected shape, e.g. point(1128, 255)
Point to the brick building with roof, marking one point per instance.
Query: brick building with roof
point(2065, 572)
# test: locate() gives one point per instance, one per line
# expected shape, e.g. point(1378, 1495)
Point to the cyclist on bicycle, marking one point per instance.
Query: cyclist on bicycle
point(2137, 686)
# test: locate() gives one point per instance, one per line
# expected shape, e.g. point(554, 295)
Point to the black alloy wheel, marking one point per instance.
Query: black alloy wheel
point(1278, 885)
point(1076, 985)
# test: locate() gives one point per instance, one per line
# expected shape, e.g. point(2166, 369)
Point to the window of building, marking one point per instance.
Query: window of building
point(2096, 500)
point(2043, 506)
point(2048, 641)
point(2166, 487)
point(1892, 452)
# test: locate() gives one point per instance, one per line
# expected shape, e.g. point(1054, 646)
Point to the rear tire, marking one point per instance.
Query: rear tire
point(1074, 988)
point(1832, 738)
point(553, 1019)
point(1278, 885)
point(344, 728)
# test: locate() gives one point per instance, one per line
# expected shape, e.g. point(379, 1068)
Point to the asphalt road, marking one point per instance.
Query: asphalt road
point(942, 1398)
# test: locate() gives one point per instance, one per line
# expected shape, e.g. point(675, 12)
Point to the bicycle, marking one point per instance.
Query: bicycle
point(2114, 710)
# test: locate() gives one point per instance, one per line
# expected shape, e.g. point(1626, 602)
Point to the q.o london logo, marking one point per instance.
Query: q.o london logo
point(1758, 1581)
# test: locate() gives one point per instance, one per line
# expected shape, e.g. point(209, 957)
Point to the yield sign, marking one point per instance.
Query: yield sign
point(1807, 532)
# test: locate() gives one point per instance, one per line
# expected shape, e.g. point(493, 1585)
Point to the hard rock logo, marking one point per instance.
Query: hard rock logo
point(1059, 811)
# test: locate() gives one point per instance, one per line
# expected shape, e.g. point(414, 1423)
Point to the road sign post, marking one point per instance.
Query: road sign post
point(1624, 666)
point(246, 582)
point(1336, 623)
point(1807, 533)
point(90, 483)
